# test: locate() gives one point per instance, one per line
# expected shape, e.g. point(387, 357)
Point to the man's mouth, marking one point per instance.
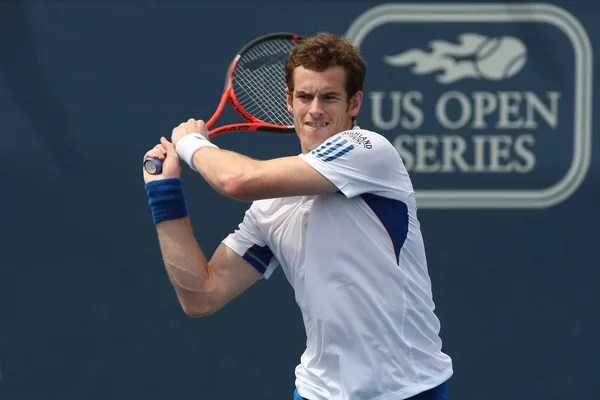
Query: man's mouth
point(314, 125)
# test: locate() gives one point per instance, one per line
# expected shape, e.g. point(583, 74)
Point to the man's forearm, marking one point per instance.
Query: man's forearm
point(223, 170)
point(185, 263)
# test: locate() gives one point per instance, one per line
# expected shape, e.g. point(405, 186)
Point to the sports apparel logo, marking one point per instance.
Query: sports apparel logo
point(358, 138)
point(476, 56)
point(333, 149)
point(489, 105)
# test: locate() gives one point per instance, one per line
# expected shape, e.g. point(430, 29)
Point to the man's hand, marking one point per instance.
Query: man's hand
point(185, 128)
point(164, 151)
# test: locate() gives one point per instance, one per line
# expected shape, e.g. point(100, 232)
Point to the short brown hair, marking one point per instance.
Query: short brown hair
point(323, 51)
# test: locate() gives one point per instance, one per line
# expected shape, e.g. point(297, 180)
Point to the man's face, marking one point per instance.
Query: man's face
point(320, 105)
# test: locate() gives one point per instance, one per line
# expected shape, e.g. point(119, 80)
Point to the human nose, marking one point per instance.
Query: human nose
point(316, 107)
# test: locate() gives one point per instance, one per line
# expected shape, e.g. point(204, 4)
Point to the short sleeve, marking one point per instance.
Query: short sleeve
point(360, 161)
point(247, 242)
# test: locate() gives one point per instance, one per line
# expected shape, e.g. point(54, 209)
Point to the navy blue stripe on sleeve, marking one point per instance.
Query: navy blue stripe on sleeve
point(340, 153)
point(393, 214)
point(259, 257)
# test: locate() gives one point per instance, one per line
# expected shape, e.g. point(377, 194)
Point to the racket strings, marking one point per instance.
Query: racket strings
point(262, 88)
point(264, 64)
point(259, 81)
point(269, 100)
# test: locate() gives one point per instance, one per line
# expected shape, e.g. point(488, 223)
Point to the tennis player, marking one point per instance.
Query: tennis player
point(340, 219)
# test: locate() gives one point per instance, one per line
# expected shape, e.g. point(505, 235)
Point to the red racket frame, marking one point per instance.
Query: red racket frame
point(253, 123)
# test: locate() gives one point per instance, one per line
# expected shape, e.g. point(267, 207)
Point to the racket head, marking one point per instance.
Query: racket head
point(255, 85)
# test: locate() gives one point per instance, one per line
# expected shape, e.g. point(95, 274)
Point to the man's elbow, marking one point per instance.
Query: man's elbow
point(197, 306)
point(199, 310)
point(239, 187)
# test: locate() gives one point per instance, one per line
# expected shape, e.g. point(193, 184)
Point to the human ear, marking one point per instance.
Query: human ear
point(289, 100)
point(355, 103)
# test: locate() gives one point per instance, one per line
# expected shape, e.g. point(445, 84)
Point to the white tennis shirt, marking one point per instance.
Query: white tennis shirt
point(356, 261)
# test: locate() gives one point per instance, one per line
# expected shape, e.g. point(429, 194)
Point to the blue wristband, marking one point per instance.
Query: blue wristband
point(166, 199)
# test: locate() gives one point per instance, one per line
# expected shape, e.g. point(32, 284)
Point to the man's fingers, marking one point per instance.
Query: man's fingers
point(155, 153)
point(159, 151)
point(169, 148)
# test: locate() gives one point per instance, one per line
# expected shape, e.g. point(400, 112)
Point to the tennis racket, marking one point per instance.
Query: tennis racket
point(255, 87)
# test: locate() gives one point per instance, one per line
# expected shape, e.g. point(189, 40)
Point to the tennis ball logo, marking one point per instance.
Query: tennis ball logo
point(500, 58)
point(474, 56)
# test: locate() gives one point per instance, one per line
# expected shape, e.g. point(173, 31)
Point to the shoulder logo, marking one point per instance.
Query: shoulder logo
point(358, 138)
point(475, 56)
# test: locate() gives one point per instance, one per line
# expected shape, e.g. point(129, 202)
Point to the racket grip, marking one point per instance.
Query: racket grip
point(153, 166)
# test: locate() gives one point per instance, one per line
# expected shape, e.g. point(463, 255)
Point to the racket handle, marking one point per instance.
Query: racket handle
point(153, 166)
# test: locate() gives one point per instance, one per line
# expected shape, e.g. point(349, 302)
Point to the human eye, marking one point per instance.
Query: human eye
point(331, 97)
point(303, 96)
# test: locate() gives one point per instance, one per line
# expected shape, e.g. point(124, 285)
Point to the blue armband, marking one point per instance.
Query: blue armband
point(166, 199)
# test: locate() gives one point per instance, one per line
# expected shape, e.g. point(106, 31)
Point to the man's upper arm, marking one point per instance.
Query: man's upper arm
point(283, 177)
point(230, 275)
point(241, 259)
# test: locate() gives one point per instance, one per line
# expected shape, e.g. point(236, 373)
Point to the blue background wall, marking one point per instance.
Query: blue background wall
point(86, 310)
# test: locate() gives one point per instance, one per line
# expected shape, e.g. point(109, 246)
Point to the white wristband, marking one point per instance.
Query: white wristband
point(189, 144)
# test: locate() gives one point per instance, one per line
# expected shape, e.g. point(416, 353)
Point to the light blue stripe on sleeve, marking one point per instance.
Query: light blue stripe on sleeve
point(331, 149)
point(340, 153)
point(324, 146)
